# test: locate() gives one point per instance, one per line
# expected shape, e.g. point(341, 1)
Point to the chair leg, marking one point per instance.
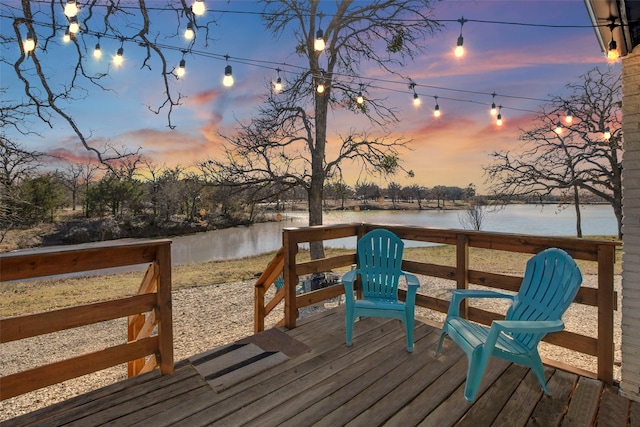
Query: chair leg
point(475, 372)
point(409, 326)
point(349, 319)
point(439, 347)
point(538, 371)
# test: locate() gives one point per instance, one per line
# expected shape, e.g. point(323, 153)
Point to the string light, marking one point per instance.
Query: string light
point(494, 109)
point(612, 53)
point(278, 86)
point(198, 7)
point(499, 117)
point(97, 52)
point(569, 117)
point(558, 129)
point(459, 51)
point(436, 109)
point(74, 27)
point(360, 97)
point(66, 37)
point(29, 43)
point(71, 8)
point(416, 99)
point(320, 88)
point(119, 58)
point(319, 44)
point(180, 72)
point(189, 34)
point(227, 81)
point(607, 134)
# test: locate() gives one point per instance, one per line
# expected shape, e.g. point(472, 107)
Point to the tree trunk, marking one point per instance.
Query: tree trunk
point(316, 186)
point(576, 203)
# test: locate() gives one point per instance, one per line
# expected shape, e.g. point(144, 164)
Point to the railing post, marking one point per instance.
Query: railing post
point(165, 321)
point(258, 315)
point(606, 258)
point(462, 269)
point(290, 280)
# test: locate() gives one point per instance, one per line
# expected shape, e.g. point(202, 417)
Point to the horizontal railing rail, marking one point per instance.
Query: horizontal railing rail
point(600, 251)
point(148, 311)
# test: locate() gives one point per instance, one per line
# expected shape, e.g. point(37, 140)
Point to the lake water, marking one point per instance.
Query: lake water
point(241, 242)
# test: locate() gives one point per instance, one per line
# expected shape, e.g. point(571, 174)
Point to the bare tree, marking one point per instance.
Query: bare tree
point(287, 141)
point(46, 96)
point(566, 157)
point(473, 216)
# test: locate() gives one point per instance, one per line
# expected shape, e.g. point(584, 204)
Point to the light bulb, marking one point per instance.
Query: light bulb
point(360, 98)
point(97, 52)
point(189, 34)
point(612, 53)
point(607, 134)
point(320, 88)
point(198, 7)
point(569, 117)
point(66, 37)
point(493, 110)
point(278, 85)
point(227, 81)
point(319, 43)
point(436, 111)
point(119, 58)
point(558, 128)
point(459, 52)
point(29, 43)
point(71, 8)
point(499, 120)
point(181, 70)
point(416, 100)
point(74, 27)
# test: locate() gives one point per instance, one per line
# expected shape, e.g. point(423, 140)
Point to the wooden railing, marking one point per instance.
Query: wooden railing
point(148, 311)
point(600, 251)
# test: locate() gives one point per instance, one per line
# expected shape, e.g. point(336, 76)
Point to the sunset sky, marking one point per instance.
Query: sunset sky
point(514, 61)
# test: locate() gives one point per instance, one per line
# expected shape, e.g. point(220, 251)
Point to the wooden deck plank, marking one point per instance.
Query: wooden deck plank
point(584, 403)
point(376, 393)
point(614, 409)
point(489, 405)
point(374, 368)
point(550, 409)
point(518, 409)
point(290, 382)
point(455, 406)
point(425, 388)
point(634, 414)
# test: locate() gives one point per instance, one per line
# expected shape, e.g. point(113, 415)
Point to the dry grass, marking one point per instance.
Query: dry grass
point(40, 295)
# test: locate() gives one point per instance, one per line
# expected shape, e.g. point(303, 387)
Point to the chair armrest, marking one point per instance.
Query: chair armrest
point(528, 326)
point(460, 294)
point(412, 281)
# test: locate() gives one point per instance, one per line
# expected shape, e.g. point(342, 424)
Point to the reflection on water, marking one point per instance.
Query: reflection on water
point(241, 242)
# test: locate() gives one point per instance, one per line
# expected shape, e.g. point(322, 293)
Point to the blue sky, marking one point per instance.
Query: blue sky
point(514, 60)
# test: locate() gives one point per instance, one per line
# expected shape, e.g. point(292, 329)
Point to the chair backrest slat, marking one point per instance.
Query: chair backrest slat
point(380, 263)
point(550, 283)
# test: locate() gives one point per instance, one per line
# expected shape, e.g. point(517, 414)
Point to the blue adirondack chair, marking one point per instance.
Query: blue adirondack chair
point(379, 268)
point(550, 283)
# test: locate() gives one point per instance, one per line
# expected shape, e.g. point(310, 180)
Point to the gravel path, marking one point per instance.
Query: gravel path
point(207, 317)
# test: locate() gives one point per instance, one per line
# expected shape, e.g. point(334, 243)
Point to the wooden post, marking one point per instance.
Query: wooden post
point(259, 312)
point(606, 258)
point(290, 279)
point(462, 269)
point(164, 315)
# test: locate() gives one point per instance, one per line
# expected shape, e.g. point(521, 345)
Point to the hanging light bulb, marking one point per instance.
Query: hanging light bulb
point(198, 8)
point(499, 117)
point(494, 109)
point(74, 27)
point(71, 8)
point(227, 81)
point(66, 37)
point(416, 100)
point(612, 51)
point(29, 43)
point(278, 86)
point(558, 129)
point(97, 52)
point(321, 87)
point(459, 51)
point(360, 98)
point(180, 71)
point(436, 109)
point(569, 117)
point(319, 44)
point(607, 134)
point(189, 34)
point(119, 58)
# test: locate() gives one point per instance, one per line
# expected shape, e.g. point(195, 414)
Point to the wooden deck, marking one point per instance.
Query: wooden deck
point(316, 380)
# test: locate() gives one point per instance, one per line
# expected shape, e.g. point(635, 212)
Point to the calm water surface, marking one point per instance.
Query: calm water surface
point(240, 242)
